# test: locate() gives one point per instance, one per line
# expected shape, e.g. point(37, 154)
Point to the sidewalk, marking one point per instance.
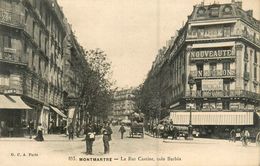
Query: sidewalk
point(199, 141)
point(47, 137)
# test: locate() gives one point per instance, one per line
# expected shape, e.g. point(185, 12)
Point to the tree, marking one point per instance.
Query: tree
point(148, 98)
point(97, 92)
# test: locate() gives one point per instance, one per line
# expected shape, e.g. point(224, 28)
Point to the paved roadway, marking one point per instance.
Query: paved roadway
point(57, 150)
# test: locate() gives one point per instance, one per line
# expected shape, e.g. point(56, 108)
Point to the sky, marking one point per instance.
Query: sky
point(131, 31)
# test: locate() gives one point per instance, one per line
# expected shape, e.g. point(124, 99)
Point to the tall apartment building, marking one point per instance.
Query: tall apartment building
point(123, 104)
point(74, 64)
point(32, 63)
point(219, 47)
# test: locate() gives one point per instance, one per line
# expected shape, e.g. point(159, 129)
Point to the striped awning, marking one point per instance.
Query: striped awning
point(13, 102)
point(213, 118)
point(58, 112)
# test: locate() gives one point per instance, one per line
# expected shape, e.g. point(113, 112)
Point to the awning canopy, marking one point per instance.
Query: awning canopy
point(213, 118)
point(58, 111)
point(12, 102)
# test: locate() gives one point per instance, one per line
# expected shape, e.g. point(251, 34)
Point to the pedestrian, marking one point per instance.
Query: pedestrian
point(90, 138)
point(39, 136)
point(233, 135)
point(244, 137)
point(70, 131)
point(122, 131)
point(107, 131)
point(31, 128)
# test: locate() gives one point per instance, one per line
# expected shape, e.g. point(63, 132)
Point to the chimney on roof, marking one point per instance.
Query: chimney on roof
point(202, 3)
point(238, 3)
point(250, 13)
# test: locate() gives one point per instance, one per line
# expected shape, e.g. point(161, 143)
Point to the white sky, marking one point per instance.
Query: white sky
point(131, 31)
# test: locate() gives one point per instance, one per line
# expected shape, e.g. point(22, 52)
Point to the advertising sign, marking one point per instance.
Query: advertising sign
point(214, 84)
point(201, 54)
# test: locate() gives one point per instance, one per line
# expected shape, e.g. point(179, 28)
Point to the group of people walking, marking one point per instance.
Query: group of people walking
point(244, 136)
point(163, 130)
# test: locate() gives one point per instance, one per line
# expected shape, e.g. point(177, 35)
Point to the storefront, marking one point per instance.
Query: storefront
point(12, 116)
point(57, 121)
point(214, 124)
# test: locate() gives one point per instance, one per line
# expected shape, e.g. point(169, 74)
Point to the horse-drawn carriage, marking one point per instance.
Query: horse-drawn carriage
point(136, 130)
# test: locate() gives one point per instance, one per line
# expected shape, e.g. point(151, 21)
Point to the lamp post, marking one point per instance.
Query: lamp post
point(191, 82)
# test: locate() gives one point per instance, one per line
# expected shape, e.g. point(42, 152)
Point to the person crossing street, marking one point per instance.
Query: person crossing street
point(122, 131)
point(107, 132)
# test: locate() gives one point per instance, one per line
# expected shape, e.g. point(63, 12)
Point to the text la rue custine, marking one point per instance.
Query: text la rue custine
point(150, 158)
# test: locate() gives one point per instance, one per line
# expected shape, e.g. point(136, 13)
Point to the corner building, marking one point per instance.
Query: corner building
point(219, 46)
point(223, 52)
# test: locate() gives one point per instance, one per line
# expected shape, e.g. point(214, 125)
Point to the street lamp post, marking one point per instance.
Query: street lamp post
point(191, 82)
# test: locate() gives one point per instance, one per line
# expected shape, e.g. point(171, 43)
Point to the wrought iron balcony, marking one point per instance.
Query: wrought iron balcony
point(213, 73)
point(11, 19)
point(222, 93)
point(10, 55)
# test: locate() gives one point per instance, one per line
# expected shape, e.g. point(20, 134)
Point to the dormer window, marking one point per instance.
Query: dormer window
point(214, 12)
point(227, 10)
point(201, 12)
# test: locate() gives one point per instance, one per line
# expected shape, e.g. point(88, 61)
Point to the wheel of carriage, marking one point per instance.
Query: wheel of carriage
point(257, 139)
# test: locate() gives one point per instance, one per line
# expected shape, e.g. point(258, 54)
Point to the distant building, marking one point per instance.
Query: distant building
point(219, 46)
point(123, 104)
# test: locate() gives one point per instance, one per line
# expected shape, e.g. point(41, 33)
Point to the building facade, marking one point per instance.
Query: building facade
point(74, 64)
point(32, 64)
point(123, 104)
point(219, 48)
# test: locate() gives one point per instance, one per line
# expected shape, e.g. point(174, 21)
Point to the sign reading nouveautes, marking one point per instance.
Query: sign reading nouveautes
point(197, 54)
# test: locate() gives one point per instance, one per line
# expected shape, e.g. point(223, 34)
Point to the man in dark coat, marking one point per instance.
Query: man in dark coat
point(90, 138)
point(70, 131)
point(122, 131)
point(107, 131)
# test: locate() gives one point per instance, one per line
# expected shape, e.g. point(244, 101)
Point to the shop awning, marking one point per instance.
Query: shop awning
point(12, 102)
point(213, 118)
point(58, 111)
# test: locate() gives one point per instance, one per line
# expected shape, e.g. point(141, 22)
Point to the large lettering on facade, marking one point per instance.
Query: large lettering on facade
point(200, 54)
point(213, 84)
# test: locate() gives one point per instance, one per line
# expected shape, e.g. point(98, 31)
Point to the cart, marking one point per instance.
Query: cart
point(137, 130)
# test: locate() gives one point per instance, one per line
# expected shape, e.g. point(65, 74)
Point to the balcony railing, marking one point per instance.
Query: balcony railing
point(214, 73)
point(222, 93)
point(11, 55)
point(10, 18)
point(234, 34)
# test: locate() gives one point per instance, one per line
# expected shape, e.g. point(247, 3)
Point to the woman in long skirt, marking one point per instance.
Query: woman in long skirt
point(39, 136)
